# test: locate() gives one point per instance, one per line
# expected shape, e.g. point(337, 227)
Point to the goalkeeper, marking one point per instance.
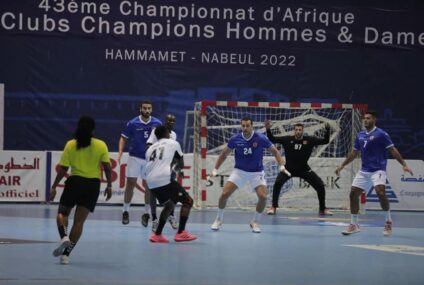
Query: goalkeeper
point(298, 149)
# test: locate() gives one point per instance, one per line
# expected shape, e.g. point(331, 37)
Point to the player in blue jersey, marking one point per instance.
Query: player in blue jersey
point(137, 131)
point(373, 144)
point(248, 147)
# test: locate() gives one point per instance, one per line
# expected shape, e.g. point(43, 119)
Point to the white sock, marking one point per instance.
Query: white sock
point(388, 216)
point(257, 217)
point(126, 207)
point(220, 215)
point(354, 219)
point(147, 209)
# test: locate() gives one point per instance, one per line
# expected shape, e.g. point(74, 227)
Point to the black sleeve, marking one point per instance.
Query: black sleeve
point(324, 140)
point(273, 139)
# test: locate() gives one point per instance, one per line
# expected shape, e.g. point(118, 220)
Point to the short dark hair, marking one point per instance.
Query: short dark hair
point(299, 125)
point(161, 132)
point(372, 113)
point(147, 102)
point(247, 119)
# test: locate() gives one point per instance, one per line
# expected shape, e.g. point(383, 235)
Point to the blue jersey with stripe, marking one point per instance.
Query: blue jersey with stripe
point(249, 152)
point(138, 132)
point(373, 147)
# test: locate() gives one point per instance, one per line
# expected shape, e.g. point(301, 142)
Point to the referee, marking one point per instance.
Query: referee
point(298, 149)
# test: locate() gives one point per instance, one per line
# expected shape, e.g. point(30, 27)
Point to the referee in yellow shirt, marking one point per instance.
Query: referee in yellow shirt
point(84, 155)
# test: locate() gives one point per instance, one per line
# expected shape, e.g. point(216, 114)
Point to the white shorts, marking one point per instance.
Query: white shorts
point(240, 178)
point(135, 167)
point(367, 180)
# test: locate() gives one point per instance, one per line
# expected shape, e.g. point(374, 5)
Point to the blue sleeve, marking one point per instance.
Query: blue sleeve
point(387, 142)
point(357, 146)
point(127, 131)
point(231, 143)
point(266, 142)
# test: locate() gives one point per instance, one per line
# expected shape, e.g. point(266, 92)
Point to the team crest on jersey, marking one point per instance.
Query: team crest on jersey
point(371, 138)
point(255, 144)
point(305, 142)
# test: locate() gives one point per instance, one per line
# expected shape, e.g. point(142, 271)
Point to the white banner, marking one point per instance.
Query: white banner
point(22, 176)
point(296, 193)
point(404, 191)
point(119, 179)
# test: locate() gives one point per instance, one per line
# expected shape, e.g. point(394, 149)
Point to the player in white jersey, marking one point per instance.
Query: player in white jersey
point(161, 157)
point(137, 131)
point(169, 124)
point(248, 149)
point(373, 144)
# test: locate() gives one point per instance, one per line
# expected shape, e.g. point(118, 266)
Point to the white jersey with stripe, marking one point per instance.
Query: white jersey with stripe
point(159, 158)
point(152, 138)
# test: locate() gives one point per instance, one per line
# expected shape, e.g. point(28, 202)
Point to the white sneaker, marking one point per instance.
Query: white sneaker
point(64, 259)
point(387, 228)
point(216, 224)
point(173, 221)
point(255, 227)
point(155, 224)
point(351, 229)
point(63, 244)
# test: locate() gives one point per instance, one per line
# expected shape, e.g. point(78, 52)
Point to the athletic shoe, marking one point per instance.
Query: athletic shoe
point(351, 229)
point(387, 228)
point(158, 238)
point(325, 212)
point(272, 211)
point(63, 244)
point(155, 224)
point(255, 227)
point(184, 236)
point(145, 219)
point(173, 221)
point(125, 218)
point(64, 259)
point(216, 224)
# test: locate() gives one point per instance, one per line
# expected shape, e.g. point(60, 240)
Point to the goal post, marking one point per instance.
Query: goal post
point(215, 122)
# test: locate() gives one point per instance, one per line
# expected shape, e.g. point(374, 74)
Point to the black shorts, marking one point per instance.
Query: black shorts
point(81, 191)
point(172, 191)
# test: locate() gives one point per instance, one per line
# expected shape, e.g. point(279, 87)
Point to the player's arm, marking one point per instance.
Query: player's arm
point(61, 172)
point(108, 173)
point(178, 162)
point(396, 155)
point(121, 147)
point(280, 159)
point(349, 158)
point(326, 138)
point(221, 158)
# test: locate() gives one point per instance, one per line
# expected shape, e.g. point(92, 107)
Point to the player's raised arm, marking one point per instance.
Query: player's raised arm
point(396, 155)
point(326, 138)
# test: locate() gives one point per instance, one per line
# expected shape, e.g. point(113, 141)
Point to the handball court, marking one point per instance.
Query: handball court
point(295, 248)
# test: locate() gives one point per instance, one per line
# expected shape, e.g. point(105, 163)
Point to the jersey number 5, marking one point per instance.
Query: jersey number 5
point(154, 154)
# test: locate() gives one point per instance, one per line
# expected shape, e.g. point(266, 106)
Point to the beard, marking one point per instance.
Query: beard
point(145, 114)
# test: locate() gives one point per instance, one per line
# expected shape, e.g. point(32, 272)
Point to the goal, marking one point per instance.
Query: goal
point(216, 121)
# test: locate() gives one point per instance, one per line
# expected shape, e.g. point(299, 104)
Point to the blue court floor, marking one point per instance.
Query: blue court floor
point(295, 248)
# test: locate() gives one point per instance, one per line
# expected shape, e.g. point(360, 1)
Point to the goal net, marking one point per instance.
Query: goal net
point(215, 122)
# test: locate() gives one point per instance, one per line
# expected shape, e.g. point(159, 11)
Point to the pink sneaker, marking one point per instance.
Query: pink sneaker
point(158, 238)
point(351, 229)
point(184, 236)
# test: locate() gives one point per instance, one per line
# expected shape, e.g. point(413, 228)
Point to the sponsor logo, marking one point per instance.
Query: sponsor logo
point(391, 196)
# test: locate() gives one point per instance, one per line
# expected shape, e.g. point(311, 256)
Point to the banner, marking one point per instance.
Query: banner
point(22, 176)
point(119, 179)
point(404, 191)
point(63, 59)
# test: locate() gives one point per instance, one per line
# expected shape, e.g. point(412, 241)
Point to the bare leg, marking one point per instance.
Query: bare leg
point(228, 190)
point(354, 195)
point(129, 189)
point(62, 220)
point(381, 193)
point(261, 192)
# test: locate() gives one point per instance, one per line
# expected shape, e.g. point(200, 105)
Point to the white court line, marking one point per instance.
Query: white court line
point(394, 248)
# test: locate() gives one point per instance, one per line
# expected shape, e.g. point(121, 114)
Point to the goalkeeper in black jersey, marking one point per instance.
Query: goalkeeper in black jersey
point(298, 149)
